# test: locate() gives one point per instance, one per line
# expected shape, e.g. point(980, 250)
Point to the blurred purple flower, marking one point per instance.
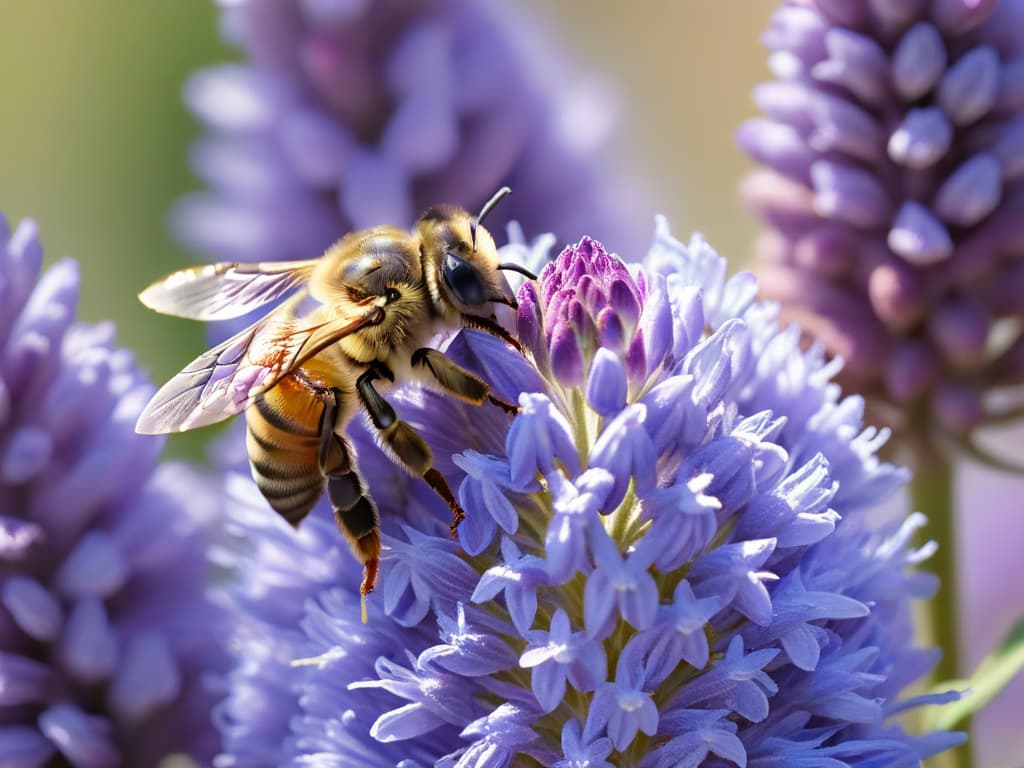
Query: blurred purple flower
point(353, 114)
point(691, 570)
point(892, 189)
point(105, 630)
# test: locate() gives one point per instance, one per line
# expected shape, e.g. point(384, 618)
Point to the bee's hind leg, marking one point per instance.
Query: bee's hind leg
point(405, 444)
point(354, 511)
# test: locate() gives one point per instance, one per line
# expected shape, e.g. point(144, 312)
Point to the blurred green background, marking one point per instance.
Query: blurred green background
point(93, 145)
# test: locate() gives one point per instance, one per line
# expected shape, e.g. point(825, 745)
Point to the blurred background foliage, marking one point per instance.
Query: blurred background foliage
point(93, 146)
point(94, 143)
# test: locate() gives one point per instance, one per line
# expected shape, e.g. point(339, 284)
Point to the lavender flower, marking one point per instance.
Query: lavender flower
point(352, 114)
point(105, 630)
point(892, 189)
point(689, 571)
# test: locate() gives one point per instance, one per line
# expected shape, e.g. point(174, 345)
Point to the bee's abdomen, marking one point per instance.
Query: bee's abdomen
point(283, 444)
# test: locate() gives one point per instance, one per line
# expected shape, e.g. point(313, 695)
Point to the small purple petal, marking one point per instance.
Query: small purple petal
point(919, 237)
point(28, 451)
point(918, 61)
point(539, 436)
point(922, 139)
point(576, 506)
point(969, 89)
point(960, 329)
point(847, 193)
point(89, 647)
point(24, 747)
point(146, 679)
point(94, 567)
point(625, 450)
point(230, 98)
point(607, 386)
point(84, 739)
point(896, 290)
point(34, 609)
point(599, 601)
point(857, 63)
point(24, 680)
point(477, 531)
point(565, 355)
point(778, 146)
point(971, 193)
point(960, 16)
point(844, 127)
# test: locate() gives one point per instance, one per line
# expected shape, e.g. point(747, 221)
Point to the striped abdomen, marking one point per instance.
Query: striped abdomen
point(293, 459)
point(283, 441)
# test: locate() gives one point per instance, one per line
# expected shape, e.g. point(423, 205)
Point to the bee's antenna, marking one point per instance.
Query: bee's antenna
point(495, 199)
point(517, 268)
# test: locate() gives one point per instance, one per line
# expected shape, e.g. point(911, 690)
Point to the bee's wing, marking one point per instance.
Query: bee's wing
point(224, 380)
point(223, 291)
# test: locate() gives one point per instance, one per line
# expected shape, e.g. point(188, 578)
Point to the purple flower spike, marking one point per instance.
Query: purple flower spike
point(901, 127)
point(106, 631)
point(670, 558)
point(350, 115)
point(589, 301)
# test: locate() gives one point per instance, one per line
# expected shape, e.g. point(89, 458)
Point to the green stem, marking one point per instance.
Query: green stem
point(932, 493)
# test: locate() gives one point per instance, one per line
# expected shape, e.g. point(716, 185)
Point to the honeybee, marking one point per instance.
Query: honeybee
point(300, 376)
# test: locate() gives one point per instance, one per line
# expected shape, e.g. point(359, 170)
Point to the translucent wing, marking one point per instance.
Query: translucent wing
point(223, 291)
point(224, 380)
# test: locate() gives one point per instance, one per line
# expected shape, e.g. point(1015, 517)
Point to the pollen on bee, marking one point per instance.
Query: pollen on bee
point(362, 609)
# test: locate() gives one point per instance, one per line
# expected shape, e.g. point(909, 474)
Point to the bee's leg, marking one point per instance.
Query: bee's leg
point(456, 380)
point(405, 444)
point(354, 511)
point(491, 327)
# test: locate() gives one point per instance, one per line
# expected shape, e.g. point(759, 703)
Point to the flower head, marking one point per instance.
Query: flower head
point(349, 115)
point(689, 570)
point(892, 189)
point(105, 629)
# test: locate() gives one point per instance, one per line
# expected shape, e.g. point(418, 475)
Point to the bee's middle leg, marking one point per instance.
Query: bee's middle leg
point(406, 445)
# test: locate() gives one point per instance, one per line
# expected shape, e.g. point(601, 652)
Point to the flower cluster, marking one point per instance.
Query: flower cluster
point(667, 556)
point(892, 187)
point(353, 114)
point(105, 629)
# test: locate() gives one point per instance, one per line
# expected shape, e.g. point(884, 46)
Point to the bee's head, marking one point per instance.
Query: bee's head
point(461, 261)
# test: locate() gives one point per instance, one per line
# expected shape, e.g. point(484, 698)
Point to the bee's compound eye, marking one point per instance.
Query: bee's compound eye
point(463, 280)
point(392, 295)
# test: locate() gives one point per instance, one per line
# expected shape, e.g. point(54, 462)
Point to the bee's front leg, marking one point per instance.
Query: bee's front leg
point(406, 446)
point(452, 378)
point(490, 326)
